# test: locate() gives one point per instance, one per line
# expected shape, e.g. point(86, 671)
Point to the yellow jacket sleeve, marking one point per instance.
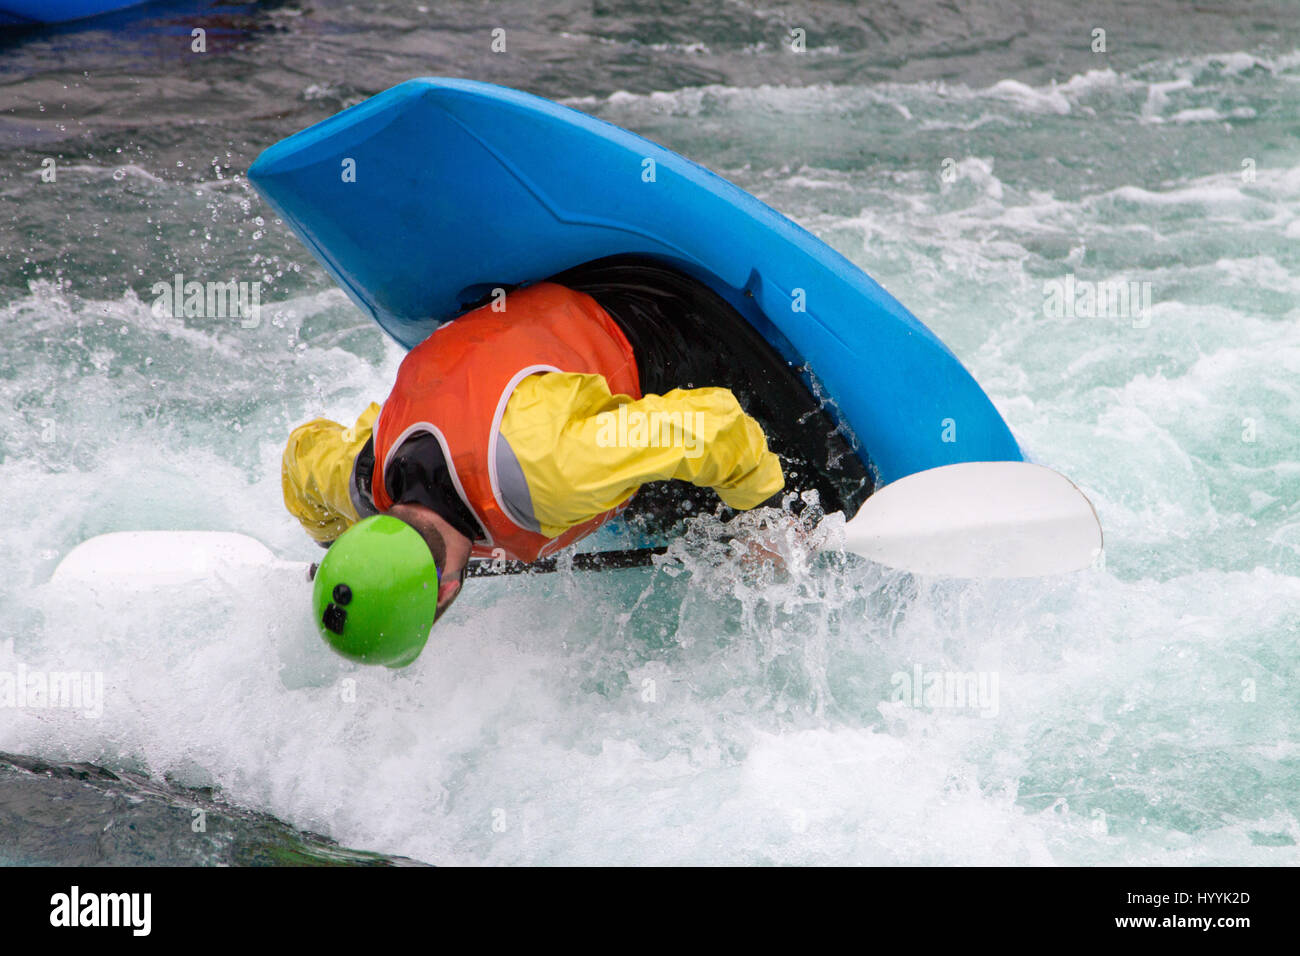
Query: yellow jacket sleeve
point(583, 451)
point(316, 470)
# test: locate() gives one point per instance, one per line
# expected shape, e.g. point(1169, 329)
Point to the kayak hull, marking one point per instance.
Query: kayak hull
point(25, 12)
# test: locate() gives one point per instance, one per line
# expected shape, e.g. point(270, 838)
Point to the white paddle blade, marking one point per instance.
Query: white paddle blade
point(993, 519)
point(144, 560)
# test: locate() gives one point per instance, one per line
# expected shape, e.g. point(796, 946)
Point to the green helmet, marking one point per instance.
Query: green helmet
point(376, 592)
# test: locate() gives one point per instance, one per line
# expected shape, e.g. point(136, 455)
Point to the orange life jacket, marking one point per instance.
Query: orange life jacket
point(455, 384)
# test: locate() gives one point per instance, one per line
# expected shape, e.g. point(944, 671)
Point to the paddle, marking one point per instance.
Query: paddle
point(972, 520)
point(987, 519)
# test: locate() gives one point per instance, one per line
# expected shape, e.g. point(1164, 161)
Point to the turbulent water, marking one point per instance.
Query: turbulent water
point(971, 157)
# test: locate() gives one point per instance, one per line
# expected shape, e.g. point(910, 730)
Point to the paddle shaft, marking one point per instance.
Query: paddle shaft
point(597, 561)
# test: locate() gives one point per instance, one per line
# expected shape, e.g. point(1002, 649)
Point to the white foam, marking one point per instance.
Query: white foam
point(724, 714)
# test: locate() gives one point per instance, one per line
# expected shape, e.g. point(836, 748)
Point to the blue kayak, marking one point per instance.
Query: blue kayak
point(24, 12)
point(424, 198)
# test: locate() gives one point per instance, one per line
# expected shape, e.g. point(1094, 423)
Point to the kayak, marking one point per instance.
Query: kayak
point(25, 12)
point(423, 199)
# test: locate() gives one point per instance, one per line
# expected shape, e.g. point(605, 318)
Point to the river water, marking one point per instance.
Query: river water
point(972, 158)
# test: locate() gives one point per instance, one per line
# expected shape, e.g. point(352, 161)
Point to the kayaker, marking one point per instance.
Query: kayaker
point(525, 424)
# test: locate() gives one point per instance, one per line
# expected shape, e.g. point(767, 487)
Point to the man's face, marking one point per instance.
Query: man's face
point(450, 550)
point(448, 588)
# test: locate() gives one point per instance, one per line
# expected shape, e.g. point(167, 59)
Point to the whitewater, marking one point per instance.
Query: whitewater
point(703, 711)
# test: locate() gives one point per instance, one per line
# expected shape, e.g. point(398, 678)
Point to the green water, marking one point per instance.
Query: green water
point(968, 157)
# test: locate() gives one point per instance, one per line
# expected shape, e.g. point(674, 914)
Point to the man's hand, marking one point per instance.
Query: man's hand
point(755, 552)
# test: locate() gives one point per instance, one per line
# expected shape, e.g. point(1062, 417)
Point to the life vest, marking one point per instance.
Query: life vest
point(455, 385)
